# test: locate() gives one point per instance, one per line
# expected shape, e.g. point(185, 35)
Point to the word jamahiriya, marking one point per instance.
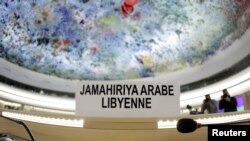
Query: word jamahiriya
point(129, 90)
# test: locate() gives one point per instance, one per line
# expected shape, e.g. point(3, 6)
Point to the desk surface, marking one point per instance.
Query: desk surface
point(103, 129)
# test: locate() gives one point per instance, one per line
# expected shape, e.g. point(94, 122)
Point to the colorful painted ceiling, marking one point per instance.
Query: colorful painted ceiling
point(117, 39)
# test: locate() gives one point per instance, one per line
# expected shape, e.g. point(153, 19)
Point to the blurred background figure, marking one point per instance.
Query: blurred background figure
point(192, 111)
point(209, 105)
point(228, 103)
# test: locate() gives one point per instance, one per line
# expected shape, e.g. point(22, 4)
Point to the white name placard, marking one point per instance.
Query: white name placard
point(127, 99)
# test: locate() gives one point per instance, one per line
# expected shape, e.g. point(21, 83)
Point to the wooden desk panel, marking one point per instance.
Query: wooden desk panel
point(43, 132)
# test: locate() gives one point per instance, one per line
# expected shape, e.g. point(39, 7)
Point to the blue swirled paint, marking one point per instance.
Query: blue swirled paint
point(82, 39)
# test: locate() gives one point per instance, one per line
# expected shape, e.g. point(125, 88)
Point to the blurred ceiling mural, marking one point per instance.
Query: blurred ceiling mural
point(117, 39)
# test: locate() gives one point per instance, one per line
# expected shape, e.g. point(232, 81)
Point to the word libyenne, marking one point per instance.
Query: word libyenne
point(127, 103)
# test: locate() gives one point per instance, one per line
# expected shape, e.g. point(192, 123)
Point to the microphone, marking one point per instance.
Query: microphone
point(187, 125)
point(21, 123)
